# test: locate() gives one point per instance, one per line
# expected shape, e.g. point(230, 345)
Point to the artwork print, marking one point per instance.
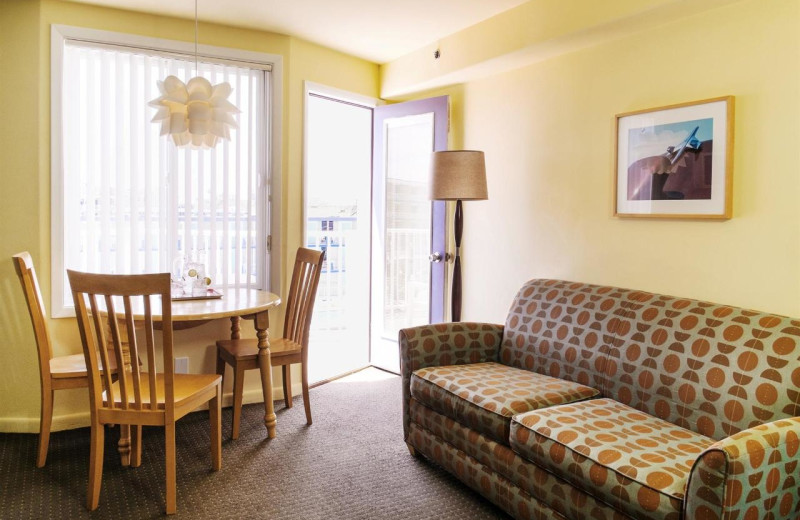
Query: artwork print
point(671, 161)
point(675, 161)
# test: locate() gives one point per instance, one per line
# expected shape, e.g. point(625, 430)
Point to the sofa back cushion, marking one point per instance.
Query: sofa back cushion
point(712, 369)
point(562, 329)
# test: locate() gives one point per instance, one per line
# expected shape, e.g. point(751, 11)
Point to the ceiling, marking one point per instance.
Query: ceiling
point(376, 30)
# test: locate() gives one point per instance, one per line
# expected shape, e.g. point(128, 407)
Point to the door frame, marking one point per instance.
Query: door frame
point(439, 241)
point(342, 96)
point(351, 98)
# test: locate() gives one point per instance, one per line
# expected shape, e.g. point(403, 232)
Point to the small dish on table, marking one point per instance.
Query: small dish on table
point(206, 294)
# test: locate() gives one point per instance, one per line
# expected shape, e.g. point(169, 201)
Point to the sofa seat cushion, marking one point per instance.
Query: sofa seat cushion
point(633, 461)
point(484, 396)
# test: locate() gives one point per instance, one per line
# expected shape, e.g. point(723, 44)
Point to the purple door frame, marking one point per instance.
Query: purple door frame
point(440, 109)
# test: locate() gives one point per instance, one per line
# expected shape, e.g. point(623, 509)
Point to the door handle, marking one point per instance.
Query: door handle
point(437, 257)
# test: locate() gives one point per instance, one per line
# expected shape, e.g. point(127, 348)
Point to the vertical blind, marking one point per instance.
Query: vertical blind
point(132, 201)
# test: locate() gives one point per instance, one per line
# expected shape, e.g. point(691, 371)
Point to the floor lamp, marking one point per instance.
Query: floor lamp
point(458, 175)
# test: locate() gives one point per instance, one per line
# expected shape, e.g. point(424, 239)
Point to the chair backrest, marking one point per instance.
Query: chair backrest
point(302, 293)
point(23, 263)
point(98, 298)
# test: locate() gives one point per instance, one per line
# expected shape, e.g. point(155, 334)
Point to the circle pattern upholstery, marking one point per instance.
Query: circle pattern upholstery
point(710, 368)
point(484, 396)
point(724, 373)
point(638, 463)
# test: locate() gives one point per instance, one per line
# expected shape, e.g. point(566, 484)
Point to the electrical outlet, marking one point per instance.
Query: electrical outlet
point(182, 365)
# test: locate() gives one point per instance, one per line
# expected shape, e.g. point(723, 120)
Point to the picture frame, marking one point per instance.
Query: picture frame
point(675, 161)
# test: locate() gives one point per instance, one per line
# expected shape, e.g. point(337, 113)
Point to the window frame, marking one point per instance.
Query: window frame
point(59, 35)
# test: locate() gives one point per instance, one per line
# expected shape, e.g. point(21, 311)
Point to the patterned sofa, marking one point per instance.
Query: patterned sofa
point(604, 403)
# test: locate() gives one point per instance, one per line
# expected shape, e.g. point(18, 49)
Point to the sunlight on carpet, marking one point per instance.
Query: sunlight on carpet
point(367, 375)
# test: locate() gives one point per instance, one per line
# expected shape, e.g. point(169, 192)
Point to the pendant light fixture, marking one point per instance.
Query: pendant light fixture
point(195, 114)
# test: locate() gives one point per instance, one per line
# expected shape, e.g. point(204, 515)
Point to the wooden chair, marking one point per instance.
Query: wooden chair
point(55, 373)
point(137, 398)
point(242, 354)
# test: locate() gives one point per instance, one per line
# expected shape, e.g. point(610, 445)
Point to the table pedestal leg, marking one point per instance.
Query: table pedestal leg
point(265, 366)
point(124, 444)
point(235, 327)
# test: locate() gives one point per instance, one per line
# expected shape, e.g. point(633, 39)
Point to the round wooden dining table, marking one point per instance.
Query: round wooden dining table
point(250, 304)
point(235, 304)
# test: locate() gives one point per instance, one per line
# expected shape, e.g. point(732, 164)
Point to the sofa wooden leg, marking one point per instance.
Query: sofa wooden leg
point(412, 450)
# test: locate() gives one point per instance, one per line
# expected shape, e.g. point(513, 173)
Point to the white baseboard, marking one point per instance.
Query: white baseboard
point(81, 420)
point(31, 424)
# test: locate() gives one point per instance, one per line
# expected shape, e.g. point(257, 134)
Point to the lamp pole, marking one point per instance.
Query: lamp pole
point(455, 299)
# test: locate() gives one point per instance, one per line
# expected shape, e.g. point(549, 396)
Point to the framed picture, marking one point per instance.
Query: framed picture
point(676, 161)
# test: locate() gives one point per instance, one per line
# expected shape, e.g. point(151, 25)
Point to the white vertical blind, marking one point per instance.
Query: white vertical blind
point(133, 202)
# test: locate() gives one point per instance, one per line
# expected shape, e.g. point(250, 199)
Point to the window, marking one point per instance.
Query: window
point(128, 200)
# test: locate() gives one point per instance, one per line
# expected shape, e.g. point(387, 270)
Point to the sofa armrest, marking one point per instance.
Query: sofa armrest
point(752, 474)
point(444, 344)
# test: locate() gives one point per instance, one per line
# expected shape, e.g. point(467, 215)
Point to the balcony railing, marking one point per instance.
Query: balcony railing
point(406, 277)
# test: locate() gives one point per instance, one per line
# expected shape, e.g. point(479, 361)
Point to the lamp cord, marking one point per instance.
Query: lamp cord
point(196, 68)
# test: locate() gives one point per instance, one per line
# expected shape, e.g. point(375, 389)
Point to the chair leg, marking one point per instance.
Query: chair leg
point(45, 421)
point(169, 447)
point(238, 390)
point(220, 366)
point(287, 385)
point(136, 445)
point(215, 420)
point(95, 464)
point(306, 398)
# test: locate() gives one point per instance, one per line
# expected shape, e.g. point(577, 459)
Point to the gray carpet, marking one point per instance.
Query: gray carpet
point(350, 464)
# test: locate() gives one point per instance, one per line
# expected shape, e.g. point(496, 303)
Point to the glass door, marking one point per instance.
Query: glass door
point(338, 162)
point(408, 228)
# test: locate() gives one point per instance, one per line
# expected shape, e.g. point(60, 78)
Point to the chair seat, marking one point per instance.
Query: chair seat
point(68, 366)
point(487, 395)
point(186, 386)
point(74, 365)
point(633, 461)
point(247, 349)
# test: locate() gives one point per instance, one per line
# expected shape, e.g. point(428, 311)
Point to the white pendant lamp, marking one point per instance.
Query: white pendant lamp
point(195, 114)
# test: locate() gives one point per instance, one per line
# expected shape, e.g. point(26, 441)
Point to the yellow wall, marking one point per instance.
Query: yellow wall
point(548, 134)
point(25, 177)
point(532, 31)
point(19, 192)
